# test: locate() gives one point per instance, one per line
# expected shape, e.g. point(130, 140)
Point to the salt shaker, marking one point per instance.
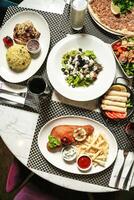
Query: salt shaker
point(78, 10)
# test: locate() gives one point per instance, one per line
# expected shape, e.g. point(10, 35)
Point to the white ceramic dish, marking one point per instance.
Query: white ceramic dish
point(89, 165)
point(104, 57)
point(7, 30)
point(56, 158)
point(68, 153)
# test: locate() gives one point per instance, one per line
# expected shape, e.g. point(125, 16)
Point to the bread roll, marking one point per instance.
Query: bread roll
point(114, 103)
point(118, 93)
point(116, 98)
point(113, 108)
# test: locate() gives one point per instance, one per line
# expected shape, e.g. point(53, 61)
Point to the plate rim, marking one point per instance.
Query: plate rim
point(56, 47)
point(103, 26)
point(80, 117)
point(22, 79)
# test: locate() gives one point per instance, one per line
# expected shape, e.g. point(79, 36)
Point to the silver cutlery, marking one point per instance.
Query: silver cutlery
point(127, 166)
point(114, 179)
point(123, 170)
point(125, 153)
point(21, 94)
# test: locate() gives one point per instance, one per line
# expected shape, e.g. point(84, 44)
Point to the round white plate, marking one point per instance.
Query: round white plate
point(56, 158)
point(104, 57)
point(7, 30)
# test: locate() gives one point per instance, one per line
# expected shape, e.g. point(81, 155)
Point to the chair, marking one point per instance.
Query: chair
point(17, 175)
point(32, 192)
point(7, 3)
point(43, 190)
point(35, 188)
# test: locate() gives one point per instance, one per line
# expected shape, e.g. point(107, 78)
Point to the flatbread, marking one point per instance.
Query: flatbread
point(99, 18)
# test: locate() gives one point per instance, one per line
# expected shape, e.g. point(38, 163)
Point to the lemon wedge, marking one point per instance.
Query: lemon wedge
point(80, 134)
point(115, 9)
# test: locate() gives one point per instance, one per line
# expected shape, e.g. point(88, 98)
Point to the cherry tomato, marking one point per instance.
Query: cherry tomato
point(8, 41)
point(116, 45)
point(119, 49)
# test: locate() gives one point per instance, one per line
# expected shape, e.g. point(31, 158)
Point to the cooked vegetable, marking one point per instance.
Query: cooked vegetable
point(124, 51)
point(129, 104)
point(53, 142)
point(80, 67)
point(124, 5)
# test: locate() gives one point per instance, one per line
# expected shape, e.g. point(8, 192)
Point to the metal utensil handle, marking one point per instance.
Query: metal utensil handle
point(10, 92)
point(120, 77)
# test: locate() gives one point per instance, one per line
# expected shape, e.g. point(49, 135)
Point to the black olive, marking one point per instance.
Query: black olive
point(63, 69)
point(65, 72)
point(79, 57)
point(80, 49)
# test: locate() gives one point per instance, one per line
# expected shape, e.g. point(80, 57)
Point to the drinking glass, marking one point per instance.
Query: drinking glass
point(77, 14)
point(37, 88)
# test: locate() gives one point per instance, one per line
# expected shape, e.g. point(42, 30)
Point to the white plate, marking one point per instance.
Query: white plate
point(56, 158)
point(104, 57)
point(7, 30)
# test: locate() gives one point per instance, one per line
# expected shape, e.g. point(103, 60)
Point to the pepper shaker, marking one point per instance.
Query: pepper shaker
point(78, 10)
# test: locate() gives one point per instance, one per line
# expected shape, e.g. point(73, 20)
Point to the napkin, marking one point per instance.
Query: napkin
point(17, 123)
point(7, 98)
point(89, 105)
point(55, 6)
point(123, 171)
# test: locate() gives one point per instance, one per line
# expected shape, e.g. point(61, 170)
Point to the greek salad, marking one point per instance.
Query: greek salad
point(80, 67)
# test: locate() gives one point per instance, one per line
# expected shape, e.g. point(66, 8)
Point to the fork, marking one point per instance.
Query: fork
point(125, 153)
point(21, 94)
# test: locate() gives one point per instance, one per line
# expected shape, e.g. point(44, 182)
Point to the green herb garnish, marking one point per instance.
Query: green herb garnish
point(124, 5)
point(129, 104)
point(53, 142)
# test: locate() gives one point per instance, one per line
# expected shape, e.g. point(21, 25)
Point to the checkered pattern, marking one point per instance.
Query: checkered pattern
point(50, 109)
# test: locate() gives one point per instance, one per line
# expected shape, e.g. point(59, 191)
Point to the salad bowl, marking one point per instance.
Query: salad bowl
point(87, 43)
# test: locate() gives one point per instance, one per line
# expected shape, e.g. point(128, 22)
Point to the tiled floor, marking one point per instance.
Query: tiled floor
point(5, 160)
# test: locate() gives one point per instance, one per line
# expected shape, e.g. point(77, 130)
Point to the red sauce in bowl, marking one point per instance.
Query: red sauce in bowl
point(84, 162)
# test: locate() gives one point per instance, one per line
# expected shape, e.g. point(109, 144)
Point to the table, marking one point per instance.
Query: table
point(20, 141)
